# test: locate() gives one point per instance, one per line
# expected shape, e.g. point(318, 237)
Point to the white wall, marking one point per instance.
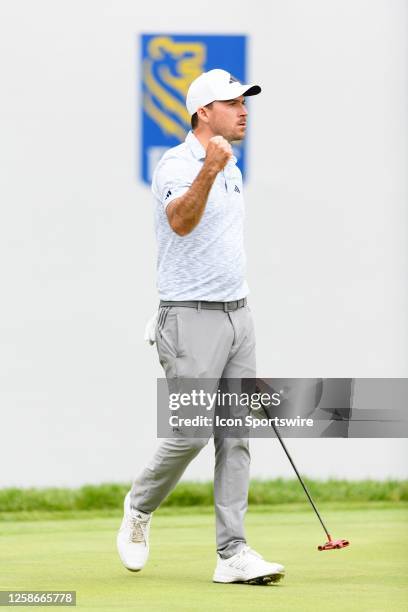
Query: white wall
point(326, 225)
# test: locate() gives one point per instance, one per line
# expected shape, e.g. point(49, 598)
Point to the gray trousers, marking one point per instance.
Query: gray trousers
point(195, 343)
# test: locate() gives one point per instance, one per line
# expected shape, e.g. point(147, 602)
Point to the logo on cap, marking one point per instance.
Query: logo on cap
point(232, 79)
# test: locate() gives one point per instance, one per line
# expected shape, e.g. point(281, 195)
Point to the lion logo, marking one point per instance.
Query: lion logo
point(167, 73)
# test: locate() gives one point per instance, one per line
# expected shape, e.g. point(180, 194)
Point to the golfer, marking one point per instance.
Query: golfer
point(204, 327)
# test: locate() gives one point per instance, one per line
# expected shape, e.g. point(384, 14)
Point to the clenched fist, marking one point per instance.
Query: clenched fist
point(219, 151)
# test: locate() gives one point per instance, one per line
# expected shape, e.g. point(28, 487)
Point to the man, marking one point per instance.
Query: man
point(204, 327)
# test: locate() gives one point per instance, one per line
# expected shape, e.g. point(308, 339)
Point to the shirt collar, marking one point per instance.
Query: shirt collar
point(195, 145)
point(197, 148)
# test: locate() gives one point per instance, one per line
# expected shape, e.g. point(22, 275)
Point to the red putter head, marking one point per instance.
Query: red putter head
point(333, 544)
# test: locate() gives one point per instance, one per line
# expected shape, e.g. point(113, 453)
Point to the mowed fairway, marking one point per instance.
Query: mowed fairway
point(80, 554)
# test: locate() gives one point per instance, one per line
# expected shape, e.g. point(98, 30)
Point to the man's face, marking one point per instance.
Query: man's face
point(228, 118)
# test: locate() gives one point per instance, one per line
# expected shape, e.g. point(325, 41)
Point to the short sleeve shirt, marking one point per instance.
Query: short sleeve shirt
point(207, 264)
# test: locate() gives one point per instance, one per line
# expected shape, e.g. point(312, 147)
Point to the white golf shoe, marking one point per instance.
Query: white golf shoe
point(248, 566)
point(133, 537)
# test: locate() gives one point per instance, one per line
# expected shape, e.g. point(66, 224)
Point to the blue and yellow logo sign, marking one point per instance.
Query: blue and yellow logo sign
point(169, 64)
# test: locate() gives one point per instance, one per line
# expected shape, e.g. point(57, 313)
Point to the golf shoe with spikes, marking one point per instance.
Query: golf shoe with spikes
point(247, 566)
point(133, 537)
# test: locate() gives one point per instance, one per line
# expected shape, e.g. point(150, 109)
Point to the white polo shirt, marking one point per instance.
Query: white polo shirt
point(208, 263)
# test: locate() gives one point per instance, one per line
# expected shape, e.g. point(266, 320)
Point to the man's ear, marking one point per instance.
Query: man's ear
point(202, 114)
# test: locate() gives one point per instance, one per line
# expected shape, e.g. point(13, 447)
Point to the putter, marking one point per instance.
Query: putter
point(330, 544)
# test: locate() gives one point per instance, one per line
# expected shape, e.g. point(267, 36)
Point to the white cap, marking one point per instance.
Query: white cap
point(216, 85)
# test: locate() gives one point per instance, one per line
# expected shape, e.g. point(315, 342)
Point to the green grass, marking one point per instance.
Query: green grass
point(270, 492)
point(370, 575)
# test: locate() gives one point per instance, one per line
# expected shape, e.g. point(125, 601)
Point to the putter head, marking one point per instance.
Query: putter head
point(333, 544)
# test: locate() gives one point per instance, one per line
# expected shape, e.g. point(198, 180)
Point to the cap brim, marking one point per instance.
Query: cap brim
point(252, 91)
point(238, 90)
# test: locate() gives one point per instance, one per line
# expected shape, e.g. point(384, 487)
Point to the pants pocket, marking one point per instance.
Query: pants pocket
point(169, 339)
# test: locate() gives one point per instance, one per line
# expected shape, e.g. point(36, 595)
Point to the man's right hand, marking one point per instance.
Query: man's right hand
point(184, 213)
point(219, 152)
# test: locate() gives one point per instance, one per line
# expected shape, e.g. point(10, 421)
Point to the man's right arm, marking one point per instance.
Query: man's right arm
point(184, 213)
